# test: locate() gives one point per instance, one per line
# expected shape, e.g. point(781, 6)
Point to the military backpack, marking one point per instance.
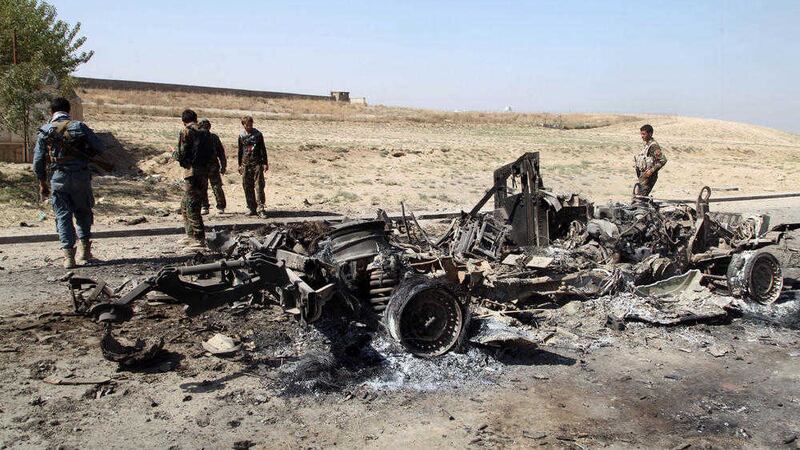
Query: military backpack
point(63, 145)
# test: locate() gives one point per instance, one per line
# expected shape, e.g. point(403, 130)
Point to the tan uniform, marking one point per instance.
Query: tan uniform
point(650, 159)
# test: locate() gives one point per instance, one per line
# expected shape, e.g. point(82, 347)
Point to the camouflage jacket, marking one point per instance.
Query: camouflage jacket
point(252, 149)
point(651, 158)
point(195, 150)
point(218, 160)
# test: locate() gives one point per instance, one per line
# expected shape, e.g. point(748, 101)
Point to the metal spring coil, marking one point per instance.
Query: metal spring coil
point(381, 287)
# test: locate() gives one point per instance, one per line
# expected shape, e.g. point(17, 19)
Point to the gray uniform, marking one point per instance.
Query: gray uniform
point(67, 145)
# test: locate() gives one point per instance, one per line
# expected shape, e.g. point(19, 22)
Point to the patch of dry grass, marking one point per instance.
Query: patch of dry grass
point(170, 104)
point(352, 159)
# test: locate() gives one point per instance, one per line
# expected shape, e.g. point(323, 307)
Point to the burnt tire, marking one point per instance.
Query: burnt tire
point(425, 317)
point(756, 276)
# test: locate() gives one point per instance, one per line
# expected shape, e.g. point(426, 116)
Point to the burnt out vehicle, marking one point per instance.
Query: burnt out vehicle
point(355, 265)
point(562, 245)
point(532, 246)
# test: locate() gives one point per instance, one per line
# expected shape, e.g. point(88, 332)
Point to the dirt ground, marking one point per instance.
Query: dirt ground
point(725, 385)
point(351, 159)
point(728, 385)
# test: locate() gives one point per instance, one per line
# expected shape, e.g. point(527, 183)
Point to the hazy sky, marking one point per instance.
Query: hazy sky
point(737, 60)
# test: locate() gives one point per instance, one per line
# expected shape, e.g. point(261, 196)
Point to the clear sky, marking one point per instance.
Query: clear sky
point(736, 60)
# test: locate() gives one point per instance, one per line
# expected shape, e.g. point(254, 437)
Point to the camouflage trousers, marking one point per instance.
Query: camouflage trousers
point(215, 181)
point(646, 186)
point(194, 187)
point(253, 184)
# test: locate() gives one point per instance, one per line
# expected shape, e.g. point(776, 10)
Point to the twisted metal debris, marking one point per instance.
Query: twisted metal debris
point(534, 247)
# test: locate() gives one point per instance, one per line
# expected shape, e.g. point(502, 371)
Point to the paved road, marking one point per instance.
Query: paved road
point(785, 210)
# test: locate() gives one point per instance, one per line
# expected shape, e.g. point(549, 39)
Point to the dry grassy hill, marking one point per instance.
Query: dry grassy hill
point(352, 159)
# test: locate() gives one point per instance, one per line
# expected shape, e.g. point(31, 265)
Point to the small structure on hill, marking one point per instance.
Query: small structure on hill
point(340, 96)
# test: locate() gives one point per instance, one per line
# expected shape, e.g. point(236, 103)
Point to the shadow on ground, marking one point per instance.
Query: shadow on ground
point(531, 355)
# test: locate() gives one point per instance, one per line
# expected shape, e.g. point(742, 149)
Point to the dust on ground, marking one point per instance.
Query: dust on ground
point(348, 159)
point(730, 385)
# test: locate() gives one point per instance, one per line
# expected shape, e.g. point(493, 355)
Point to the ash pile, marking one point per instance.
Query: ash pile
point(383, 300)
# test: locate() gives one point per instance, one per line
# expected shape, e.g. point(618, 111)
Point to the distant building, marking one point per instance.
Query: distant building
point(340, 96)
point(359, 101)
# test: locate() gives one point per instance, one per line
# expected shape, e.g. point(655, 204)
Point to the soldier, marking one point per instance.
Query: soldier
point(69, 145)
point(215, 170)
point(253, 165)
point(194, 152)
point(648, 162)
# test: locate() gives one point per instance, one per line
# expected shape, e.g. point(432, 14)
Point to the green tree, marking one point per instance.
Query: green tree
point(48, 50)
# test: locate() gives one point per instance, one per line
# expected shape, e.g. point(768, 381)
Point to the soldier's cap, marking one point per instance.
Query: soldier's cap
point(205, 123)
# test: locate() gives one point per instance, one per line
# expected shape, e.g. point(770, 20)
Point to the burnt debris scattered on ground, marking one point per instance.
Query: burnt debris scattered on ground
point(390, 303)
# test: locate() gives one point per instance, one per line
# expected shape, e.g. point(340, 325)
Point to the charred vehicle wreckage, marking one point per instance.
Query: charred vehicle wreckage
point(533, 247)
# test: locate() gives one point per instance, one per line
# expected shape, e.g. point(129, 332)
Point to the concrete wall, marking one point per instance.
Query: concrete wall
point(126, 85)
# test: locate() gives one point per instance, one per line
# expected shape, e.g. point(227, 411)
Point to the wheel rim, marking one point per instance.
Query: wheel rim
point(430, 322)
point(766, 280)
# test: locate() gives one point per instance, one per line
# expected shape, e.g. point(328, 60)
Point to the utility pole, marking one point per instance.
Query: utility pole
point(25, 141)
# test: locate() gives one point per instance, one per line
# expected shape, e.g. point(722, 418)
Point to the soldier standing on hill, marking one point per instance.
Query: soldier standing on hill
point(194, 152)
point(216, 169)
point(253, 165)
point(69, 145)
point(648, 162)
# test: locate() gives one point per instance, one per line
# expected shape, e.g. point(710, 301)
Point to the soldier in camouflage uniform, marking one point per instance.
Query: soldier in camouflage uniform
point(68, 146)
point(193, 153)
point(253, 165)
point(215, 170)
point(648, 162)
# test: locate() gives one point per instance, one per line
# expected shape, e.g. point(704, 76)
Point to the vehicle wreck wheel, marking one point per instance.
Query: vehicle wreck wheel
point(425, 317)
point(755, 276)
